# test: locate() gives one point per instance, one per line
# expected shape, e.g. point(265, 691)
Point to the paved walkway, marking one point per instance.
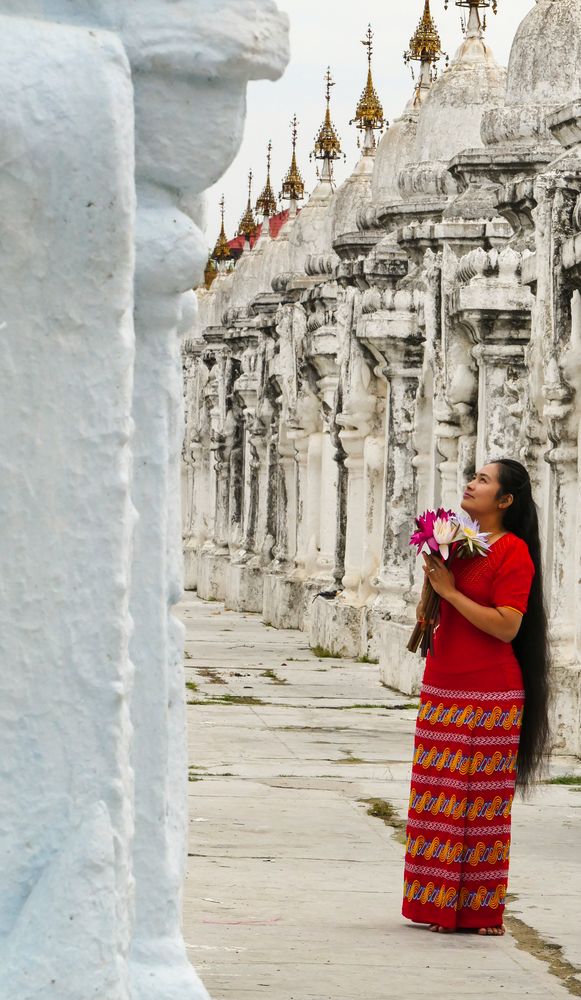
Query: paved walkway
point(293, 890)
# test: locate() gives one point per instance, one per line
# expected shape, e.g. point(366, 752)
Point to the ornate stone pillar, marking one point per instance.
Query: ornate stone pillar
point(491, 302)
point(356, 422)
point(306, 437)
point(390, 328)
point(328, 497)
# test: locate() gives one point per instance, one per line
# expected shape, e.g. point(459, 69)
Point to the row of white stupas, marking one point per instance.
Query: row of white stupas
point(421, 319)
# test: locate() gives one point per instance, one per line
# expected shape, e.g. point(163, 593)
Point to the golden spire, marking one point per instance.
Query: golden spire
point(293, 186)
point(425, 45)
point(248, 225)
point(222, 252)
point(327, 142)
point(266, 204)
point(425, 48)
point(369, 114)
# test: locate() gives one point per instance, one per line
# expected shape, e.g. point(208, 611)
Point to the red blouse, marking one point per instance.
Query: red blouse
point(465, 657)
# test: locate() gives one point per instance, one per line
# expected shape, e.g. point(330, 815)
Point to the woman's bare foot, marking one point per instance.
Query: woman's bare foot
point(482, 931)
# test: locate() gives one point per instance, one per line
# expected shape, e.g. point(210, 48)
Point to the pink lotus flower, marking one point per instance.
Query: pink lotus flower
point(424, 538)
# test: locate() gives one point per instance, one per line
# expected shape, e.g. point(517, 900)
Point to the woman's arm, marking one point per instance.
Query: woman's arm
point(502, 623)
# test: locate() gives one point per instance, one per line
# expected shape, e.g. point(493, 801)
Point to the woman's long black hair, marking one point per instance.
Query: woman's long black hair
point(531, 646)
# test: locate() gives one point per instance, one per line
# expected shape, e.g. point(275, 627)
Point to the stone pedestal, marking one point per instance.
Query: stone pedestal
point(243, 587)
point(399, 669)
point(282, 601)
point(213, 569)
point(338, 627)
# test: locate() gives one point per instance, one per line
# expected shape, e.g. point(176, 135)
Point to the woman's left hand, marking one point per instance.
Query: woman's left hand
point(441, 578)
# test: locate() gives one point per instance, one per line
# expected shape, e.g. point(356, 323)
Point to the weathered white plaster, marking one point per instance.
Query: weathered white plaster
point(66, 382)
point(93, 779)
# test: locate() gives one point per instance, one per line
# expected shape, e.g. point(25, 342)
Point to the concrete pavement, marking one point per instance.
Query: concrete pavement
point(293, 889)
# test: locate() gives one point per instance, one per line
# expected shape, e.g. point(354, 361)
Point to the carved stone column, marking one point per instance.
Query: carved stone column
point(329, 493)
point(391, 329)
point(356, 423)
point(490, 301)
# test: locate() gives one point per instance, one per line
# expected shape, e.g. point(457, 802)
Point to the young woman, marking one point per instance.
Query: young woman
point(482, 726)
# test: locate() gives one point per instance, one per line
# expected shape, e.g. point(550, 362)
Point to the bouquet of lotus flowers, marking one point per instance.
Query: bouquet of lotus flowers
point(450, 535)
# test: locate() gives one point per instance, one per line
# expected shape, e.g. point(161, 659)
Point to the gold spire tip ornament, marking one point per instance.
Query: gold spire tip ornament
point(474, 3)
point(327, 142)
point(425, 44)
point(222, 250)
point(474, 26)
point(369, 113)
point(248, 225)
point(266, 203)
point(293, 186)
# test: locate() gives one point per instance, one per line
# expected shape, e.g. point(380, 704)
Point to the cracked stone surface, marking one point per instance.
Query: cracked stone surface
point(293, 891)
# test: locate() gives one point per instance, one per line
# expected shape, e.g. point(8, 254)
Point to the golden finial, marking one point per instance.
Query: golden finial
point(425, 48)
point(369, 114)
point(475, 26)
point(293, 186)
point(222, 252)
point(266, 204)
point(327, 142)
point(247, 227)
point(425, 45)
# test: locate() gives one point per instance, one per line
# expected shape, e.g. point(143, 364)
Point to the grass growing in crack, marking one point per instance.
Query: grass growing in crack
point(381, 809)
point(228, 699)
point(529, 940)
point(192, 775)
point(211, 675)
point(323, 654)
point(271, 675)
point(386, 708)
point(366, 659)
point(567, 779)
point(191, 686)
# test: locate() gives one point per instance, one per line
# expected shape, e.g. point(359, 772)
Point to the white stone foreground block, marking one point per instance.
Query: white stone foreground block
point(93, 731)
point(67, 207)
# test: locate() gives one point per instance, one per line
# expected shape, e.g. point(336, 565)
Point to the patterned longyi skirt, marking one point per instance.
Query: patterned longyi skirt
point(462, 789)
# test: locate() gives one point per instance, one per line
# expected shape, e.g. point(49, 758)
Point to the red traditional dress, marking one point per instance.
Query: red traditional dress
point(466, 743)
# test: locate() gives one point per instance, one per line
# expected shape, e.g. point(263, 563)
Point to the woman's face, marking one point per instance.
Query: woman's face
point(481, 496)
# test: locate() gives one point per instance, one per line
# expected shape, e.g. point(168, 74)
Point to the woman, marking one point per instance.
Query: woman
point(482, 725)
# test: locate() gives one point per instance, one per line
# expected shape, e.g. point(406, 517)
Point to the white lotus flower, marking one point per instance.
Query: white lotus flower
point(445, 532)
point(470, 534)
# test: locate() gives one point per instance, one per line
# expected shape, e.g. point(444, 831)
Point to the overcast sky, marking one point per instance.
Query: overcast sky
point(328, 32)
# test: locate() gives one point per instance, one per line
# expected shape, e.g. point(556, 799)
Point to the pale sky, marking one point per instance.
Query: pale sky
point(328, 32)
